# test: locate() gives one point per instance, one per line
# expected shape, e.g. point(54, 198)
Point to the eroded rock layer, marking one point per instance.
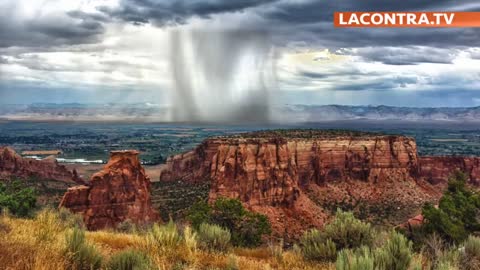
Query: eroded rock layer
point(299, 178)
point(12, 164)
point(437, 170)
point(271, 170)
point(120, 192)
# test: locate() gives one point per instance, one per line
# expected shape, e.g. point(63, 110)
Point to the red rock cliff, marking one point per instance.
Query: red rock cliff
point(295, 179)
point(271, 170)
point(436, 170)
point(12, 164)
point(121, 191)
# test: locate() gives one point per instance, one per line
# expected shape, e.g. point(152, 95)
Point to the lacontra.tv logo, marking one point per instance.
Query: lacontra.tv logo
point(406, 19)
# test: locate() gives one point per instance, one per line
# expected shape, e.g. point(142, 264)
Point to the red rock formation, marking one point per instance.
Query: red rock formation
point(436, 170)
point(412, 223)
point(12, 164)
point(270, 170)
point(281, 177)
point(121, 191)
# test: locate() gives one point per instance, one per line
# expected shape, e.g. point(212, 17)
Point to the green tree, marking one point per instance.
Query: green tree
point(227, 213)
point(17, 198)
point(247, 228)
point(199, 213)
point(457, 214)
point(249, 231)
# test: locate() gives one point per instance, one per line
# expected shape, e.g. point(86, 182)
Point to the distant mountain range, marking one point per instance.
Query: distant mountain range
point(148, 112)
point(321, 113)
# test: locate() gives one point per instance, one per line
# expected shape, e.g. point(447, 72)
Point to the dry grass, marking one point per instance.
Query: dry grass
point(39, 243)
point(32, 244)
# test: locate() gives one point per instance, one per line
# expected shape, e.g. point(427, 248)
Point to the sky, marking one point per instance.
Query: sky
point(129, 51)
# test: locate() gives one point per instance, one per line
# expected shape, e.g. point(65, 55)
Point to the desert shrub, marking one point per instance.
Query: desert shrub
point(360, 259)
point(434, 249)
point(213, 237)
point(249, 231)
point(190, 238)
point(165, 236)
point(445, 265)
point(82, 256)
point(19, 199)
point(70, 219)
point(470, 255)
point(126, 226)
point(315, 247)
point(199, 213)
point(227, 212)
point(457, 214)
point(348, 232)
point(396, 254)
point(246, 228)
point(129, 260)
point(276, 250)
point(418, 263)
point(48, 225)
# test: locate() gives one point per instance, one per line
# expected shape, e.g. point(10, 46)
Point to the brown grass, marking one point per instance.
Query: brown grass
point(39, 243)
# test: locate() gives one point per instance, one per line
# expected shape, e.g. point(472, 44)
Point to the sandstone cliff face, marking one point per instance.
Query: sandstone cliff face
point(272, 170)
point(121, 191)
point(436, 170)
point(298, 182)
point(12, 164)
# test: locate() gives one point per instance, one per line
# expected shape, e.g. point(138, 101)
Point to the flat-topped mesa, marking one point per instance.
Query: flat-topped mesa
point(119, 192)
point(270, 170)
point(299, 177)
point(12, 164)
point(294, 176)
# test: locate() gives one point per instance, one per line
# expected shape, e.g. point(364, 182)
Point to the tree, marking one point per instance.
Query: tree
point(247, 228)
point(457, 214)
point(17, 198)
point(199, 213)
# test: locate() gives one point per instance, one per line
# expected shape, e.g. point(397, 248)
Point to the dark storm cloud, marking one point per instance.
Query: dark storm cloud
point(100, 17)
point(315, 11)
point(48, 29)
point(406, 55)
point(324, 35)
point(170, 12)
point(380, 84)
point(338, 73)
point(68, 31)
point(312, 22)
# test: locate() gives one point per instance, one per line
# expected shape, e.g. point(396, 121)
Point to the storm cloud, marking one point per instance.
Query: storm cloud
point(46, 29)
point(171, 12)
point(406, 55)
point(124, 45)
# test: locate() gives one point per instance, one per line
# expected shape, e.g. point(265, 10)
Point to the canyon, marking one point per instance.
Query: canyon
point(299, 178)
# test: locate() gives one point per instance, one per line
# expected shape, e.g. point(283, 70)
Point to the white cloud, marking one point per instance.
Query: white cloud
point(104, 52)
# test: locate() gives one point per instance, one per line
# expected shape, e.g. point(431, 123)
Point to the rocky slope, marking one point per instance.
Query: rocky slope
point(119, 192)
point(12, 164)
point(298, 178)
